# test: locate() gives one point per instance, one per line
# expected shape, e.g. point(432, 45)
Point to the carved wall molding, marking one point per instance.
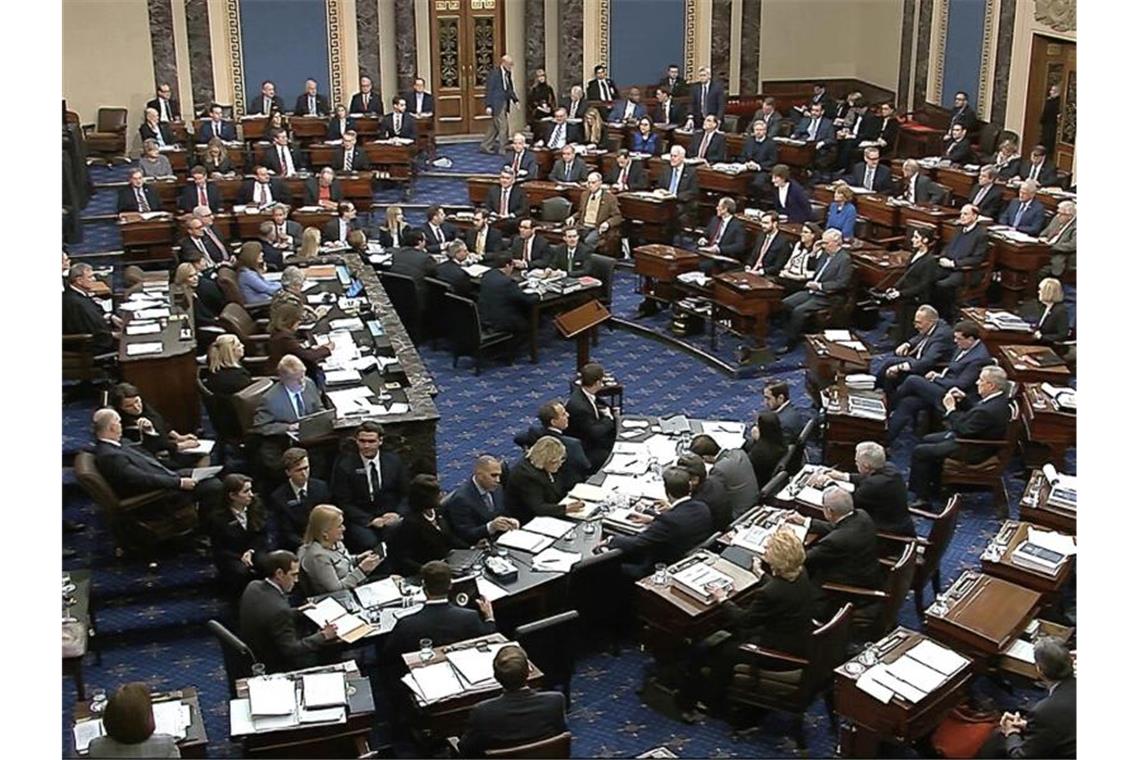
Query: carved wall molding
point(1058, 15)
point(237, 73)
point(336, 67)
point(690, 39)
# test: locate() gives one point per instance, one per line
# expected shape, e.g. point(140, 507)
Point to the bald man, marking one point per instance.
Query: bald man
point(476, 509)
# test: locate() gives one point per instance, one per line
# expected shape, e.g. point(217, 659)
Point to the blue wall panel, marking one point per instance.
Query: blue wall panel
point(962, 53)
point(645, 37)
point(285, 41)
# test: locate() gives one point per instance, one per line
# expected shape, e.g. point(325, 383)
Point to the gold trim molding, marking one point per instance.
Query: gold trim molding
point(604, 33)
point(237, 74)
point(939, 52)
point(336, 69)
point(690, 39)
point(985, 85)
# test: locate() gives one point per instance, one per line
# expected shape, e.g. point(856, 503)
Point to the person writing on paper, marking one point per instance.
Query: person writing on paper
point(284, 341)
point(269, 626)
point(439, 621)
point(238, 536)
point(292, 397)
point(326, 564)
point(423, 535)
point(1049, 728)
point(370, 485)
point(519, 715)
point(477, 509)
point(534, 488)
point(880, 490)
point(128, 727)
point(143, 424)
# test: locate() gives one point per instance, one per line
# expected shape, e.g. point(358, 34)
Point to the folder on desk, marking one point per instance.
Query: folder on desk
point(323, 690)
point(272, 695)
point(524, 540)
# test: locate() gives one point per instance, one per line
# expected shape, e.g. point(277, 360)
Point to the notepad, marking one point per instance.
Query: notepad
point(323, 690)
point(172, 718)
point(143, 349)
point(490, 591)
point(272, 695)
point(524, 540)
point(549, 526)
point(85, 731)
point(587, 492)
point(378, 594)
point(555, 560)
point(142, 328)
point(945, 661)
point(436, 682)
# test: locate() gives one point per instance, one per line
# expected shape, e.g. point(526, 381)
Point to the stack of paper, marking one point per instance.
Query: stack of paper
point(728, 435)
point(323, 690)
point(474, 665)
point(85, 731)
point(349, 627)
point(555, 560)
point(378, 594)
point(700, 580)
point(433, 683)
point(619, 520)
point(524, 540)
point(549, 526)
point(171, 717)
point(942, 659)
point(272, 695)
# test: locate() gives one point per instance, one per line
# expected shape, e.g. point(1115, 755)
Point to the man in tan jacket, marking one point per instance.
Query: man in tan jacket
point(598, 211)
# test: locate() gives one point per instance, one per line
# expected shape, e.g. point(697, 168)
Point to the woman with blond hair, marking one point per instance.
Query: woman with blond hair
point(185, 293)
point(310, 245)
point(128, 727)
point(392, 233)
point(841, 211)
point(533, 488)
point(594, 128)
point(325, 564)
point(217, 159)
point(1052, 321)
point(225, 375)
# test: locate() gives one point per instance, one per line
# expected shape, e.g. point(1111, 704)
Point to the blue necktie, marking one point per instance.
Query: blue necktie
point(1020, 211)
point(675, 181)
point(819, 272)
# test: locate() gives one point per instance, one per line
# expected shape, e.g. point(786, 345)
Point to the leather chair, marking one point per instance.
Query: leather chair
point(988, 139)
point(107, 137)
point(246, 401)
point(223, 419)
point(554, 747)
point(773, 680)
point(435, 313)
point(550, 644)
point(467, 336)
point(942, 195)
point(228, 282)
point(772, 487)
point(931, 548)
point(601, 614)
point(139, 523)
point(879, 608)
point(602, 268)
point(555, 210)
point(401, 290)
point(238, 321)
point(971, 466)
point(236, 655)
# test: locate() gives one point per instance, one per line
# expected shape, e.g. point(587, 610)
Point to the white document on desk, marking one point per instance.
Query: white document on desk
point(945, 661)
point(272, 695)
point(378, 594)
point(490, 591)
point(728, 435)
point(476, 667)
point(868, 684)
point(198, 474)
point(1021, 650)
point(157, 313)
point(437, 681)
point(587, 492)
point(323, 690)
point(524, 540)
point(143, 349)
point(171, 717)
point(336, 714)
point(898, 686)
point(1053, 541)
point(324, 611)
point(555, 561)
point(549, 526)
point(85, 731)
point(476, 270)
point(916, 673)
point(142, 328)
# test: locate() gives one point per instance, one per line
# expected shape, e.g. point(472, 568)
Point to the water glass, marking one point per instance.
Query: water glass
point(98, 700)
point(870, 656)
point(660, 576)
point(257, 669)
point(425, 650)
point(589, 527)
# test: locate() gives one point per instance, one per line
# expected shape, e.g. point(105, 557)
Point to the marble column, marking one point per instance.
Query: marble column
point(368, 40)
point(201, 55)
point(906, 56)
point(162, 43)
point(535, 30)
point(1007, 16)
point(922, 53)
point(721, 50)
point(405, 44)
point(750, 47)
point(570, 45)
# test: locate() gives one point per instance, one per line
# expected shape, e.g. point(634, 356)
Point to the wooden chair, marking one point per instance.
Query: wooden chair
point(81, 362)
point(467, 336)
point(401, 290)
point(879, 611)
point(554, 747)
point(773, 680)
point(238, 321)
point(237, 657)
point(550, 645)
point(978, 464)
point(107, 137)
point(930, 549)
point(978, 278)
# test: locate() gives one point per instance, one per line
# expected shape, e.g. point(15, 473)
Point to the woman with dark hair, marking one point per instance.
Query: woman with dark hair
point(237, 534)
point(540, 101)
point(423, 536)
point(765, 446)
point(284, 339)
point(143, 424)
point(645, 139)
point(128, 727)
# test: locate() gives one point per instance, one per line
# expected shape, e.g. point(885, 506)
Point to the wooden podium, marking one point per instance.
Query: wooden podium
point(578, 323)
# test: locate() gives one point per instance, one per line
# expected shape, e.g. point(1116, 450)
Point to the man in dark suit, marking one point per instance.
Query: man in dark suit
point(323, 190)
point(476, 509)
point(778, 400)
point(962, 114)
point(292, 397)
point(503, 305)
point(985, 195)
point(414, 261)
point(195, 241)
point(591, 419)
point(292, 501)
point(217, 247)
point(671, 534)
point(500, 95)
point(349, 157)
point(710, 143)
point(815, 127)
point(932, 344)
point(560, 133)
point(772, 247)
point(509, 202)
point(626, 174)
point(81, 314)
point(215, 126)
point(969, 248)
point(732, 469)
point(768, 114)
point(523, 163)
point(1025, 213)
point(601, 87)
point(370, 485)
point(398, 123)
point(679, 179)
point(880, 490)
point(263, 190)
point(420, 102)
point(629, 109)
point(847, 551)
point(870, 173)
point(575, 103)
point(1039, 168)
point(345, 222)
point(572, 257)
point(137, 196)
point(268, 625)
point(167, 107)
point(440, 621)
point(569, 168)
point(483, 238)
point(208, 289)
point(437, 232)
point(366, 101)
point(858, 125)
point(704, 489)
point(986, 419)
point(760, 154)
point(706, 97)
point(528, 249)
point(914, 186)
point(821, 97)
point(451, 271)
point(553, 420)
point(266, 101)
point(830, 282)
point(199, 193)
point(519, 715)
point(673, 83)
point(958, 150)
point(1049, 729)
point(310, 102)
point(888, 127)
point(283, 160)
point(669, 110)
point(919, 393)
point(724, 235)
point(154, 129)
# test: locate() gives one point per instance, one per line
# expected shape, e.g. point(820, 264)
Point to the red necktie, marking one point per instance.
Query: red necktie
point(624, 178)
point(704, 145)
point(202, 201)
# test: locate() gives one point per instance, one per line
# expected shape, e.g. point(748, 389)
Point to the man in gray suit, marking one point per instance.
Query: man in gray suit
point(1061, 235)
point(732, 469)
point(831, 279)
point(267, 623)
point(292, 397)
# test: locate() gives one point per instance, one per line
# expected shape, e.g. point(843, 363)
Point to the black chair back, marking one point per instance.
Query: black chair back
point(435, 313)
point(602, 267)
point(550, 644)
point(236, 654)
point(401, 290)
point(773, 486)
point(464, 329)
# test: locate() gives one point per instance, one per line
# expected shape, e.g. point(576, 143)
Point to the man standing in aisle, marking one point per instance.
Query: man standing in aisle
point(500, 95)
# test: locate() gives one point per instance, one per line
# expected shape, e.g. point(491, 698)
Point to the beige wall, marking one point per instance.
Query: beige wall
point(107, 59)
point(1024, 28)
point(876, 48)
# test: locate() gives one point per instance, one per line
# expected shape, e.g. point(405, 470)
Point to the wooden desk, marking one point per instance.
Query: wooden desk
point(879, 269)
point(316, 219)
point(479, 187)
point(392, 162)
point(722, 183)
point(983, 615)
point(992, 337)
point(1049, 428)
point(749, 298)
point(997, 562)
point(659, 266)
point(166, 379)
point(1018, 263)
point(539, 190)
point(1034, 507)
point(1015, 360)
point(901, 720)
point(147, 239)
point(929, 216)
point(246, 225)
point(828, 359)
point(195, 742)
point(558, 303)
point(843, 431)
point(960, 181)
point(877, 210)
point(796, 156)
point(179, 159)
point(309, 128)
point(168, 191)
point(653, 218)
point(366, 126)
point(180, 131)
point(253, 127)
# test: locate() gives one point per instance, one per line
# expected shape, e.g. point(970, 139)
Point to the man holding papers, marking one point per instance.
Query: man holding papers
point(476, 509)
point(439, 620)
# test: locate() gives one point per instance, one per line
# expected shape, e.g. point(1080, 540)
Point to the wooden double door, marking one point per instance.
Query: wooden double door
point(467, 43)
point(1053, 62)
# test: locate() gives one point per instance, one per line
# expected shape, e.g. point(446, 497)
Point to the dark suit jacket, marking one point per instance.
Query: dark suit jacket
point(923, 188)
point(313, 191)
point(714, 103)
point(574, 110)
point(919, 278)
point(668, 538)
point(331, 230)
point(763, 152)
point(284, 342)
point(595, 430)
point(777, 255)
point(146, 133)
point(715, 497)
point(441, 621)
point(717, 149)
point(985, 420)
point(188, 199)
point(825, 131)
point(277, 189)
point(880, 182)
point(576, 172)
point(433, 244)
point(963, 368)
point(927, 352)
point(779, 615)
point(847, 552)
point(257, 104)
point(575, 469)
point(416, 264)
point(964, 116)
point(527, 162)
point(798, 205)
point(272, 158)
point(1055, 326)
point(415, 541)
point(269, 626)
point(733, 470)
point(513, 718)
point(81, 314)
point(959, 152)
point(359, 159)
point(494, 241)
point(574, 134)
point(499, 94)
point(429, 102)
point(680, 87)
point(384, 236)
point(882, 495)
point(502, 303)
point(227, 380)
point(773, 120)
point(1032, 221)
point(538, 250)
point(453, 274)
point(229, 541)
point(967, 248)
point(677, 113)
point(992, 202)
point(301, 107)
point(686, 186)
point(1052, 726)
point(350, 487)
point(635, 176)
point(516, 201)
point(594, 89)
point(468, 514)
point(292, 514)
point(206, 131)
point(375, 103)
point(559, 257)
point(172, 105)
point(132, 470)
point(1046, 177)
point(732, 241)
point(888, 132)
point(129, 202)
point(334, 131)
point(531, 492)
point(407, 127)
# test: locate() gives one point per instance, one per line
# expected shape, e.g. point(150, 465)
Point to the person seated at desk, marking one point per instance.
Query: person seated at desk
point(841, 211)
point(628, 109)
point(370, 485)
point(420, 101)
point(669, 536)
point(349, 158)
point(255, 289)
point(199, 193)
point(142, 424)
point(217, 247)
point(310, 102)
point(958, 151)
point(137, 196)
point(569, 168)
point(128, 727)
point(482, 238)
point(422, 536)
point(1025, 213)
point(591, 419)
point(292, 294)
point(778, 400)
point(791, 199)
point(340, 124)
point(759, 154)
point(724, 236)
point(680, 180)
point(131, 470)
point(986, 419)
point(870, 173)
point(292, 397)
point(534, 488)
point(969, 248)
point(338, 229)
point(452, 272)
point(859, 125)
point(215, 127)
point(293, 501)
point(553, 420)
point(1038, 168)
point(985, 195)
point(598, 213)
point(712, 146)
point(238, 539)
point(516, 717)
point(414, 261)
point(916, 285)
point(772, 248)
point(924, 393)
point(765, 446)
point(931, 345)
point(206, 290)
point(594, 131)
point(262, 190)
point(523, 164)
point(267, 101)
point(644, 139)
point(1049, 316)
point(366, 101)
point(510, 201)
point(732, 469)
point(888, 132)
point(166, 106)
point(225, 375)
point(574, 104)
point(1061, 235)
point(626, 174)
point(268, 625)
point(154, 165)
point(283, 160)
point(560, 132)
point(284, 322)
point(801, 261)
point(816, 129)
point(601, 87)
point(828, 284)
point(398, 123)
point(217, 159)
point(503, 305)
point(395, 229)
point(1049, 728)
point(287, 233)
point(324, 190)
point(768, 114)
point(476, 509)
point(82, 314)
point(184, 292)
point(703, 488)
point(528, 249)
point(540, 102)
point(880, 490)
point(914, 186)
point(569, 257)
point(272, 247)
point(325, 564)
point(439, 621)
point(155, 130)
point(437, 231)
point(1007, 159)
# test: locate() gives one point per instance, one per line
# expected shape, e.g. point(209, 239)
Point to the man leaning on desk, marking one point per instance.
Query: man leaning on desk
point(439, 621)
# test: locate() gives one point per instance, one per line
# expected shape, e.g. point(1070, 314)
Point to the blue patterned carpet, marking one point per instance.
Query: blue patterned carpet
point(151, 625)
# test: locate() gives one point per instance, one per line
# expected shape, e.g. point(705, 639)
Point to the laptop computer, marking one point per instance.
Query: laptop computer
point(316, 425)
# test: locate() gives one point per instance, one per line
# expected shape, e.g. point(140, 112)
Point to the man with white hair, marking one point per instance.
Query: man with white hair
point(216, 245)
point(323, 190)
point(831, 279)
point(500, 95)
point(523, 163)
point(986, 419)
point(880, 490)
point(932, 344)
point(680, 180)
point(1061, 235)
point(292, 397)
point(914, 186)
point(847, 551)
point(1025, 213)
point(598, 210)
